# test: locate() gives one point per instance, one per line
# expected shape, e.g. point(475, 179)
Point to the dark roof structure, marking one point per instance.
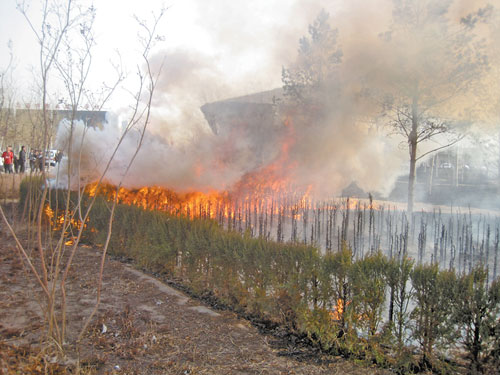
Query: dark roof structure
point(256, 110)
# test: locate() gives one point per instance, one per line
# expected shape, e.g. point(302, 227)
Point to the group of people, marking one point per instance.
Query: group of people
point(36, 161)
point(13, 163)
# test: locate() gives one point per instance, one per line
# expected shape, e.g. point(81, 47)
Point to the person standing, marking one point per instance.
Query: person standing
point(22, 159)
point(59, 156)
point(8, 159)
point(39, 161)
point(16, 164)
point(33, 160)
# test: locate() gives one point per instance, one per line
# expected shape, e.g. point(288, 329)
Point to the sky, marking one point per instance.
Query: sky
point(245, 43)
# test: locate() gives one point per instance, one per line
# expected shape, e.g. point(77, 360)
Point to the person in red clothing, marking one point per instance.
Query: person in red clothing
point(8, 159)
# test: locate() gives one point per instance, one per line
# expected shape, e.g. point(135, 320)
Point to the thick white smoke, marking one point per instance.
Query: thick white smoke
point(181, 152)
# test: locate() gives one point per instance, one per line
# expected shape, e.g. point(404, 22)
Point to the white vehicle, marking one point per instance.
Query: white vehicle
point(50, 157)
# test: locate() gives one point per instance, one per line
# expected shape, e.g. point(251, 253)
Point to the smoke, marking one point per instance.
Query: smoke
point(241, 56)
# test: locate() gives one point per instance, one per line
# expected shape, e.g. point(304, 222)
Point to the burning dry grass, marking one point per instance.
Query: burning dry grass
point(433, 234)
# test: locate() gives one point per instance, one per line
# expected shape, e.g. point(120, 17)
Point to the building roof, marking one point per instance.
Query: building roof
point(263, 97)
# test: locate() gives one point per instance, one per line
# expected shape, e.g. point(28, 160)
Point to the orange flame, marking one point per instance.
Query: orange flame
point(267, 190)
point(57, 223)
point(338, 312)
point(258, 189)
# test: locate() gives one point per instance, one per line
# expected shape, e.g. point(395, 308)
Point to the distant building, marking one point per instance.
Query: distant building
point(94, 119)
point(31, 116)
point(24, 126)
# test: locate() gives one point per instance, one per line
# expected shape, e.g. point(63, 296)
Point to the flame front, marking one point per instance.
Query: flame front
point(263, 189)
point(338, 312)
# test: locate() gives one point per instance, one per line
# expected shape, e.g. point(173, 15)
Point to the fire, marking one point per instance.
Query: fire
point(48, 211)
point(193, 204)
point(338, 312)
point(254, 192)
point(263, 189)
point(57, 221)
point(359, 203)
point(265, 201)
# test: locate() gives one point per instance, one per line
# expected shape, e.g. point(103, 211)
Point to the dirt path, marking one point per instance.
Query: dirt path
point(143, 326)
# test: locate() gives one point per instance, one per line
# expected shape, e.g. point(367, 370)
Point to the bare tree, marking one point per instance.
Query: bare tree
point(66, 41)
point(7, 95)
point(432, 63)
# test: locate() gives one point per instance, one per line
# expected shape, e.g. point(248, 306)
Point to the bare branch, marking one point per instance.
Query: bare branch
point(440, 148)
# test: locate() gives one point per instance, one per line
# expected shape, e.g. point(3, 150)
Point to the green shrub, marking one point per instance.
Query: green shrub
point(367, 277)
point(321, 328)
point(475, 313)
point(434, 295)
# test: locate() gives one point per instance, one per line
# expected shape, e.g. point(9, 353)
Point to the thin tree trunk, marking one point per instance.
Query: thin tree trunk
point(499, 163)
point(412, 144)
point(431, 176)
point(412, 177)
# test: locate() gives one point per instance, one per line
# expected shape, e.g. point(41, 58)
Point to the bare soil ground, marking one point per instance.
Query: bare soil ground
point(143, 326)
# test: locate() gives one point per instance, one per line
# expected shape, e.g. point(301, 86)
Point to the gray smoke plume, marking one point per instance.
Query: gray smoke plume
point(182, 152)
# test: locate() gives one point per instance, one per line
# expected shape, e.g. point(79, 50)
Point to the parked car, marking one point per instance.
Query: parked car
point(446, 166)
point(50, 158)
